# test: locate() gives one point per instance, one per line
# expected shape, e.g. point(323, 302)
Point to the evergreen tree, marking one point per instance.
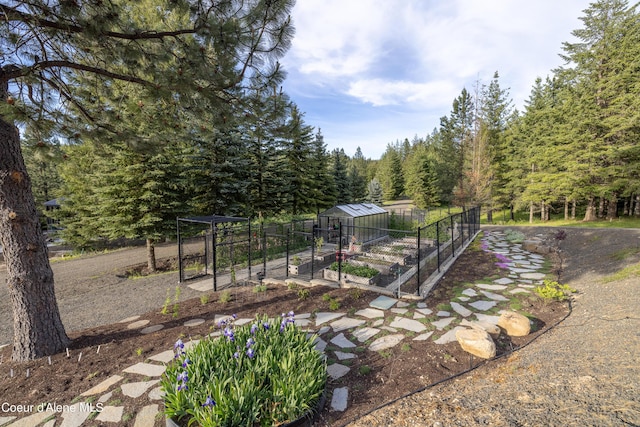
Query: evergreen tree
point(389, 173)
point(357, 185)
point(323, 190)
point(421, 180)
point(214, 47)
point(605, 96)
point(297, 149)
point(341, 177)
point(374, 192)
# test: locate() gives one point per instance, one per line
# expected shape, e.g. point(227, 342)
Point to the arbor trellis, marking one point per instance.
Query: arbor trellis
point(219, 233)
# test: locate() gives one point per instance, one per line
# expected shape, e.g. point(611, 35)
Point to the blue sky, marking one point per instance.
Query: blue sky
point(370, 72)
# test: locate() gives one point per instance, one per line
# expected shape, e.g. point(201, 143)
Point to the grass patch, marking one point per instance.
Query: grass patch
point(625, 273)
point(623, 254)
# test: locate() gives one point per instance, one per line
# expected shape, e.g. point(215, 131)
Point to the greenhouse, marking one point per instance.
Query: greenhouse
point(362, 222)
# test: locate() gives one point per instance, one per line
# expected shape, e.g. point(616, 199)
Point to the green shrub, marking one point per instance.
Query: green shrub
point(552, 290)
point(260, 374)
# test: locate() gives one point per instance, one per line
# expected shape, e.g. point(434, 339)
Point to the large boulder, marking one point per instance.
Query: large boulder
point(492, 329)
point(515, 324)
point(477, 342)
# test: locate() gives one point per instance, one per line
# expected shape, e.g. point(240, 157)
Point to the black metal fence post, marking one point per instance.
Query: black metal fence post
point(339, 252)
point(438, 242)
point(453, 245)
point(418, 265)
point(180, 267)
point(287, 245)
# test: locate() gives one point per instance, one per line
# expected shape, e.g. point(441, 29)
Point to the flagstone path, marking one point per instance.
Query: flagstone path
point(385, 324)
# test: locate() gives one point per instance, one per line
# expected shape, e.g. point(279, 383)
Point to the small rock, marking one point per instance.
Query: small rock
point(515, 324)
point(477, 342)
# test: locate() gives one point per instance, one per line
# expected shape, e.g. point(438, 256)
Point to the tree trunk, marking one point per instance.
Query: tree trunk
point(590, 213)
point(543, 211)
point(628, 201)
point(601, 207)
point(38, 329)
point(531, 213)
point(612, 208)
point(636, 209)
point(573, 209)
point(151, 255)
point(566, 209)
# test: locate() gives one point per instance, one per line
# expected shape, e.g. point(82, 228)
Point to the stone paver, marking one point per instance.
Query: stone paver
point(533, 276)
point(5, 420)
point(146, 369)
point(320, 344)
point(137, 389)
point(483, 305)
point(139, 324)
point(449, 336)
point(370, 313)
point(110, 414)
point(346, 323)
point(339, 399)
point(147, 416)
point(193, 322)
point(495, 297)
point(337, 370)
point(487, 318)
point(443, 323)
point(443, 313)
point(461, 310)
point(383, 302)
point(342, 341)
point(408, 324)
point(364, 334)
point(152, 329)
point(423, 337)
point(324, 317)
point(470, 292)
point(386, 342)
point(503, 281)
point(491, 287)
point(75, 416)
point(103, 386)
point(399, 310)
point(344, 356)
point(156, 394)
point(164, 357)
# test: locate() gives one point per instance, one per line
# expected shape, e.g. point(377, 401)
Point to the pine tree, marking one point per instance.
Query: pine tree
point(341, 176)
point(374, 192)
point(605, 97)
point(421, 180)
point(215, 48)
point(389, 173)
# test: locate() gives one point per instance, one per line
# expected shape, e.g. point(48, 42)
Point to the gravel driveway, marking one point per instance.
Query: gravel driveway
point(584, 372)
point(90, 293)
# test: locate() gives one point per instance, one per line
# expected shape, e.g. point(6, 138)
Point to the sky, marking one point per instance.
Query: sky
point(372, 72)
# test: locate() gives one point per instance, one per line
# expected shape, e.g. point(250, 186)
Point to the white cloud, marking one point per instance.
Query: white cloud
point(380, 92)
point(358, 60)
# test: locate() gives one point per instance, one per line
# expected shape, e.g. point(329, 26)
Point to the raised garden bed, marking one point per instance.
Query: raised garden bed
point(348, 273)
point(384, 267)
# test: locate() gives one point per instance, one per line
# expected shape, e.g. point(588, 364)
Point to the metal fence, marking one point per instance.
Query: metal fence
point(400, 261)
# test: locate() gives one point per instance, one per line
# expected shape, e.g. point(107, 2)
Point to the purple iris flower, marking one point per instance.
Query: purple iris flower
point(250, 353)
point(254, 329)
point(228, 332)
point(250, 342)
point(265, 325)
point(186, 362)
point(179, 344)
point(209, 402)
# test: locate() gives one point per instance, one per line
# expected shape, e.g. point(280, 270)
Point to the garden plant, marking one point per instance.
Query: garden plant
point(265, 373)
